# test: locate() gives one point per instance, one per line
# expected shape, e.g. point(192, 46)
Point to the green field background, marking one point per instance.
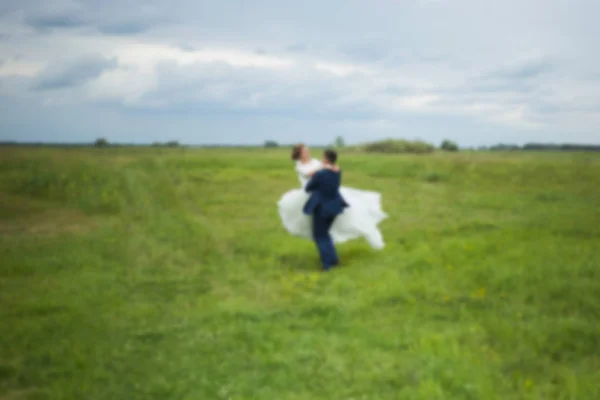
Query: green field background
point(166, 274)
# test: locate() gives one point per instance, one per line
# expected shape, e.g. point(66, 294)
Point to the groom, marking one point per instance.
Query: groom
point(325, 204)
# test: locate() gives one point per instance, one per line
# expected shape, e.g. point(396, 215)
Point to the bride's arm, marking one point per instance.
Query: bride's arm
point(308, 170)
point(311, 172)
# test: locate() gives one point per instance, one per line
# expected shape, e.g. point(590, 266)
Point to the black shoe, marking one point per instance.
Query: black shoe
point(329, 267)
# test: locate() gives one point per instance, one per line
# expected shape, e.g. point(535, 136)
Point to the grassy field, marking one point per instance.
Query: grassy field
point(166, 274)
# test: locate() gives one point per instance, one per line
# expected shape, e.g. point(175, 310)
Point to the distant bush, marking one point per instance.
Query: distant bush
point(543, 147)
point(271, 144)
point(560, 147)
point(540, 146)
point(448, 145)
point(339, 142)
point(172, 143)
point(101, 142)
point(399, 146)
point(505, 147)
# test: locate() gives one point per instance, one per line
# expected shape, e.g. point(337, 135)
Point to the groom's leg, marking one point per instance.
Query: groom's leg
point(323, 241)
point(319, 229)
point(333, 257)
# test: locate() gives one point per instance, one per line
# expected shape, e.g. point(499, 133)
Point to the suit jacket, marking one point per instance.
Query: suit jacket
point(325, 199)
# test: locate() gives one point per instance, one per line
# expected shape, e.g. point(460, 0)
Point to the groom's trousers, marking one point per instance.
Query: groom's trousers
point(320, 228)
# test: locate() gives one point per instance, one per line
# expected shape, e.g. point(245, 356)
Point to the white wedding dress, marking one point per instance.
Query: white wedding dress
point(360, 219)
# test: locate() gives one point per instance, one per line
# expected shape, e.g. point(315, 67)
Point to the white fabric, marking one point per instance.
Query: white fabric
point(358, 220)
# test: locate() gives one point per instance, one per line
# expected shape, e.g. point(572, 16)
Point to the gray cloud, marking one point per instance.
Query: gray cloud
point(370, 49)
point(219, 87)
point(45, 22)
point(398, 90)
point(127, 28)
point(130, 19)
point(297, 48)
point(524, 71)
point(74, 73)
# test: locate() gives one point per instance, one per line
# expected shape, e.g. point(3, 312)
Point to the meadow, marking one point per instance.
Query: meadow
point(165, 274)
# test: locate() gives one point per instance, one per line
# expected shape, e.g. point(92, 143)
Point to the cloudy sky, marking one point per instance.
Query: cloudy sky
point(198, 71)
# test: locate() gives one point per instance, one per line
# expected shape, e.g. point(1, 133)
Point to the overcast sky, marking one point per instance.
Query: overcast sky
point(475, 71)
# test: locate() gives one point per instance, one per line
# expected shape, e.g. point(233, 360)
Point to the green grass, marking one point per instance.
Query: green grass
point(166, 274)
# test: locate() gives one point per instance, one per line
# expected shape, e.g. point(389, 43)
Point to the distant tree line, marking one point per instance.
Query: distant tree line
point(502, 147)
point(103, 142)
point(392, 146)
point(172, 143)
point(338, 143)
point(542, 147)
point(42, 144)
point(421, 147)
point(561, 147)
point(382, 146)
point(408, 146)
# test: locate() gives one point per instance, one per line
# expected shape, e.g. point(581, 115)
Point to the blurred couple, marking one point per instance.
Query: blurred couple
point(325, 211)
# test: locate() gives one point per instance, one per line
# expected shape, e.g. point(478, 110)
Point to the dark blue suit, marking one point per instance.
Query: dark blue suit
point(325, 204)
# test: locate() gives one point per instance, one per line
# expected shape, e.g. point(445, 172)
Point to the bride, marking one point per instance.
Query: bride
point(358, 220)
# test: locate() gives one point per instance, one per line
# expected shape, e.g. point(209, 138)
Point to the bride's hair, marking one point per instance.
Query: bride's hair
point(297, 151)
